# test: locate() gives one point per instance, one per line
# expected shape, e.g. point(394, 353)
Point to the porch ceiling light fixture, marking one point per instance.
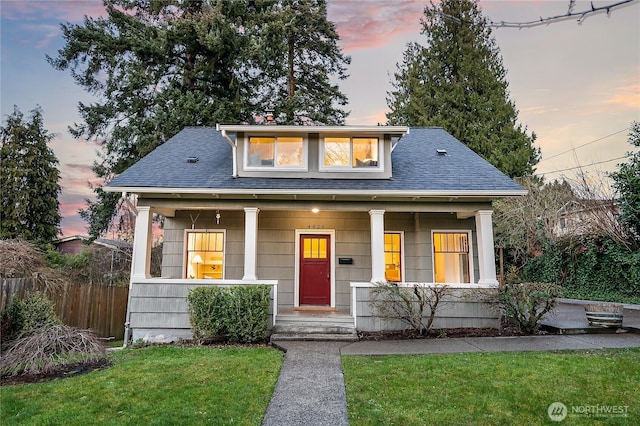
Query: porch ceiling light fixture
point(315, 210)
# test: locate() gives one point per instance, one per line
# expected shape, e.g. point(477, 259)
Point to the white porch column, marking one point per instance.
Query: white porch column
point(377, 245)
point(141, 256)
point(486, 257)
point(250, 242)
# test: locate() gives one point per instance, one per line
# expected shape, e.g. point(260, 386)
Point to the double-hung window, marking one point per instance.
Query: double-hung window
point(451, 260)
point(205, 254)
point(393, 256)
point(350, 152)
point(276, 151)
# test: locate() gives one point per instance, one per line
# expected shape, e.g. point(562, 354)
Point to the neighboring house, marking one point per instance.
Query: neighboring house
point(78, 243)
point(320, 213)
point(586, 217)
point(110, 259)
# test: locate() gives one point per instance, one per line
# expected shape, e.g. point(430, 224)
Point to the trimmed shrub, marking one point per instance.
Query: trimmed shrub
point(25, 315)
point(235, 314)
point(524, 304)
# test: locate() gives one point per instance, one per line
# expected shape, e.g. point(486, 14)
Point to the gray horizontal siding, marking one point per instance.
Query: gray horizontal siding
point(461, 308)
point(159, 311)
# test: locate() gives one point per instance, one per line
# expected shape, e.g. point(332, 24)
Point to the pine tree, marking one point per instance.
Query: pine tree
point(159, 66)
point(29, 179)
point(297, 57)
point(457, 81)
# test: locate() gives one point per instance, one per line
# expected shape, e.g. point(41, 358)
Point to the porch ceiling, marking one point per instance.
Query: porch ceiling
point(463, 205)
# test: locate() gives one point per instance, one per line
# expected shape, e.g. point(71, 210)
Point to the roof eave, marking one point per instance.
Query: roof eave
point(378, 130)
point(257, 191)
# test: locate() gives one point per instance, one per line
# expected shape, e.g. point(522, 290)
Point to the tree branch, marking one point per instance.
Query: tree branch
point(581, 16)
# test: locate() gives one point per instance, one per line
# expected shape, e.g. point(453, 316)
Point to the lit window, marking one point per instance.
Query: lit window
point(281, 151)
point(205, 255)
point(392, 256)
point(315, 248)
point(350, 152)
point(451, 257)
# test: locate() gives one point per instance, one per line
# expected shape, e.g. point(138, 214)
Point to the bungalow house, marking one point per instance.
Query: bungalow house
point(320, 213)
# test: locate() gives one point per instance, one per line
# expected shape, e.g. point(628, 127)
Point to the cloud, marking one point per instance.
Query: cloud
point(40, 21)
point(378, 117)
point(370, 24)
point(72, 223)
point(62, 10)
point(534, 110)
point(42, 34)
point(626, 96)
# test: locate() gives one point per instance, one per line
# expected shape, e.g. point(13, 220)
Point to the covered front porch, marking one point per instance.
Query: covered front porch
point(286, 244)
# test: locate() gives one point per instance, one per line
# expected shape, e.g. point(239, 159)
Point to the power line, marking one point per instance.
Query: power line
point(584, 144)
point(588, 165)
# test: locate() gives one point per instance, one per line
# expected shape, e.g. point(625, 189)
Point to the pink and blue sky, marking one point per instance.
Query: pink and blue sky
point(576, 85)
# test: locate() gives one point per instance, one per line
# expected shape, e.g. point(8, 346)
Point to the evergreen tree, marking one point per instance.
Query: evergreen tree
point(626, 181)
point(457, 81)
point(29, 179)
point(297, 57)
point(159, 66)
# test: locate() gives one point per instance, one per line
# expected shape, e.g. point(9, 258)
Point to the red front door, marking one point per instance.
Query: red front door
point(315, 270)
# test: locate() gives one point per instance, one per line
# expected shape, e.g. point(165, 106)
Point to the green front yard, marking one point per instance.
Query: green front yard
point(156, 386)
point(226, 386)
point(492, 388)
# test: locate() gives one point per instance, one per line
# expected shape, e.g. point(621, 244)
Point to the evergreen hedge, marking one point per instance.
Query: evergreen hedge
point(235, 314)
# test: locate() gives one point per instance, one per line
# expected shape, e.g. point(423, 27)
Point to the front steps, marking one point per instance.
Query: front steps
point(314, 327)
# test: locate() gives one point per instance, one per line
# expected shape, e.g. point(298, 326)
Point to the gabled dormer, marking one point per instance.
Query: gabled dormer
point(320, 152)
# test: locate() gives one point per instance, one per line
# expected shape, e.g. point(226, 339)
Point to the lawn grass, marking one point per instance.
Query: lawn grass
point(490, 388)
point(158, 385)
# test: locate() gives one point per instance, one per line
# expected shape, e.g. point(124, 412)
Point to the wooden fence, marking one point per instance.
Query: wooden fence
point(100, 308)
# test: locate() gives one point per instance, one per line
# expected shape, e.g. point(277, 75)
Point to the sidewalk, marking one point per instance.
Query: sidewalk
point(494, 344)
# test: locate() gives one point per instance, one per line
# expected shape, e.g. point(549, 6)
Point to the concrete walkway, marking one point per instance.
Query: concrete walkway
point(310, 389)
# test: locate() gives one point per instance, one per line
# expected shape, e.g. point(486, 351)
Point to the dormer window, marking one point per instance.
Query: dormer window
point(276, 151)
point(350, 152)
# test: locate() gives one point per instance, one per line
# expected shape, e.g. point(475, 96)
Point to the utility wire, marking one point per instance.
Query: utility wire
point(587, 165)
point(584, 144)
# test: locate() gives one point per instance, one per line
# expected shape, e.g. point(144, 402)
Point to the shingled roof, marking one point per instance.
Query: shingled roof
point(417, 167)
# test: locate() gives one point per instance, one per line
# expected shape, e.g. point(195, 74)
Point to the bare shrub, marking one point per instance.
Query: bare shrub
point(415, 305)
point(47, 348)
point(21, 259)
point(525, 304)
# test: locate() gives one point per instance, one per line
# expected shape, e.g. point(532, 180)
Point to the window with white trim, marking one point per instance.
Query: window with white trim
point(275, 152)
point(205, 254)
point(350, 152)
point(393, 256)
point(451, 260)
